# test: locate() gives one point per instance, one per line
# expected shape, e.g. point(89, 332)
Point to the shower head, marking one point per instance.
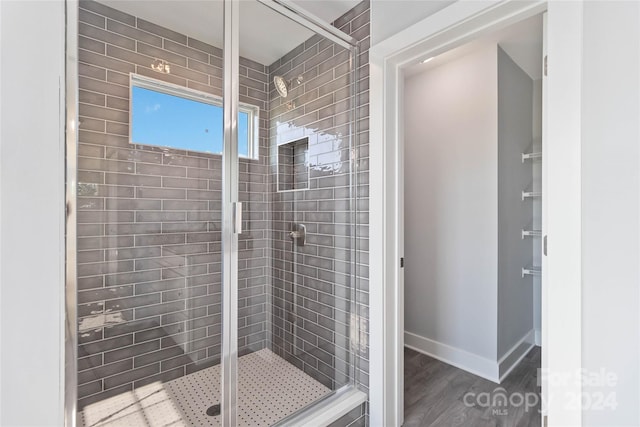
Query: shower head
point(283, 86)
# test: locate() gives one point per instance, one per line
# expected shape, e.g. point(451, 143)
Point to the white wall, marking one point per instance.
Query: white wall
point(32, 212)
point(0, 214)
point(391, 16)
point(451, 203)
point(515, 123)
point(610, 211)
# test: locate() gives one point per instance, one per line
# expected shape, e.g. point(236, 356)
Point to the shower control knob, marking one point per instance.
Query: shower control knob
point(299, 236)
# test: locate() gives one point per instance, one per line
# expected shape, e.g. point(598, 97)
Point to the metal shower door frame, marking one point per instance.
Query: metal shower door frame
point(71, 173)
point(230, 165)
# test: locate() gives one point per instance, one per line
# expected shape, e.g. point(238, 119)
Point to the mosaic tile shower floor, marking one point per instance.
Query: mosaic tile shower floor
point(269, 389)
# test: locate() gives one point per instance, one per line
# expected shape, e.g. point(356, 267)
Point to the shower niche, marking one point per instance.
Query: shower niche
point(293, 165)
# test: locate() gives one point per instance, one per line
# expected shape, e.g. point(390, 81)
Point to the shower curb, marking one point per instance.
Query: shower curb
point(327, 410)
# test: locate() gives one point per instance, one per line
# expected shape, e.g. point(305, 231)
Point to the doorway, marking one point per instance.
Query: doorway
point(449, 28)
point(473, 230)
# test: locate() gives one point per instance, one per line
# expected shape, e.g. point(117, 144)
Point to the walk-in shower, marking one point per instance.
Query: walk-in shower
point(212, 226)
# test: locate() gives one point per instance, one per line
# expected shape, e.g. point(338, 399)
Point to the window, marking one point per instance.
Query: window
point(172, 116)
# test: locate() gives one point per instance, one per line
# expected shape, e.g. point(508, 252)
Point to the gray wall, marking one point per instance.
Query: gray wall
point(515, 133)
point(354, 418)
point(451, 203)
point(537, 208)
point(149, 248)
point(315, 277)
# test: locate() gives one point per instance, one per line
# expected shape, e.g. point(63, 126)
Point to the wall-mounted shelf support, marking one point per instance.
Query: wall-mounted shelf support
point(531, 271)
point(531, 233)
point(531, 194)
point(531, 156)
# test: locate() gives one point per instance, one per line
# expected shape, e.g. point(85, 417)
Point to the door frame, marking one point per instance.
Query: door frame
point(561, 301)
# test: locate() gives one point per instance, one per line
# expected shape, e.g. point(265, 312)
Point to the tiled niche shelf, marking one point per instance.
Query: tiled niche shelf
point(293, 166)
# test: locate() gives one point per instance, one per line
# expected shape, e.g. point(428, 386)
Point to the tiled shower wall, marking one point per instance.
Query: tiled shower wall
point(311, 283)
point(149, 242)
point(149, 249)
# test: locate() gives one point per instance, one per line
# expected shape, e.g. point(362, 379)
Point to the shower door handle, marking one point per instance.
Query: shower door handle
point(237, 217)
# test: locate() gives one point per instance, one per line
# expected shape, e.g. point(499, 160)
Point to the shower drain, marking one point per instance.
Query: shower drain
point(214, 410)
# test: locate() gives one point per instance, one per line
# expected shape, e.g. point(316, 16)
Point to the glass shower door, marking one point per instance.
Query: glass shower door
point(149, 211)
point(294, 252)
point(214, 210)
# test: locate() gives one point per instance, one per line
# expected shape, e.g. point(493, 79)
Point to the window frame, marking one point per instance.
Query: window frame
point(253, 111)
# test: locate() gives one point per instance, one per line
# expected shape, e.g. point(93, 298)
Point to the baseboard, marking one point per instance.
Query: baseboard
point(538, 338)
point(477, 365)
point(512, 358)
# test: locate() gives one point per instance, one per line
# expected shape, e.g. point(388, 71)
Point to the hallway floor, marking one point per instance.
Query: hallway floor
point(437, 394)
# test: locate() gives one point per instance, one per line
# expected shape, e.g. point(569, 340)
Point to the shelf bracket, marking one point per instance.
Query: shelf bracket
point(531, 271)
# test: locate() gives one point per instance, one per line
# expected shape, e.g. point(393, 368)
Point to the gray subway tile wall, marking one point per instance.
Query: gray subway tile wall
point(357, 417)
point(149, 249)
point(149, 218)
point(311, 284)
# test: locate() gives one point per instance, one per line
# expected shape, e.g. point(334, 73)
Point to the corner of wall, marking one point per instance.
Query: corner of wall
point(515, 212)
point(513, 356)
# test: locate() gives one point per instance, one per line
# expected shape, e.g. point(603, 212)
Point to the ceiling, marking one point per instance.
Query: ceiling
point(521, 41)
point(265, 35)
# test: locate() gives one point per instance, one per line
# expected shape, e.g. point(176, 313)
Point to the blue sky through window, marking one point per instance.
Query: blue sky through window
point(243, 134)
point(172, 121)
